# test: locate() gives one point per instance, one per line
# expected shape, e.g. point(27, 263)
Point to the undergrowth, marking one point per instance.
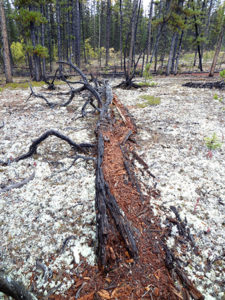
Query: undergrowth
point(213, 142)
point(150, 101)
point(24, 85)
point(149, 84)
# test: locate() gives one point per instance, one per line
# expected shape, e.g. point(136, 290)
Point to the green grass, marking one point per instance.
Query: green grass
point(150, 101)
point(25, 85)
point(213, 142)
point(216, 97)
point(150, 84)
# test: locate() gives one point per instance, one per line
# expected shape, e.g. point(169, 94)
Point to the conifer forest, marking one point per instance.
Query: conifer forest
point(112, 146)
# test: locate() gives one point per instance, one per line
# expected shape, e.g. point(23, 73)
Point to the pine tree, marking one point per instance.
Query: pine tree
point(6, 54)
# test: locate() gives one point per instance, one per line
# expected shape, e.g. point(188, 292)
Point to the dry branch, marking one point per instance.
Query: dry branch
point(18, 184)
point(35, 144)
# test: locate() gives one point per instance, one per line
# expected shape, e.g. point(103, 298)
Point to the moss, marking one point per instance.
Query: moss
point(146, 84)
point(150, 100)
point(25, 85)
point(22, 85)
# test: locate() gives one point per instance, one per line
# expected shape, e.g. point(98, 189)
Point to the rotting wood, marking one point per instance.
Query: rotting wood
point(208, 85)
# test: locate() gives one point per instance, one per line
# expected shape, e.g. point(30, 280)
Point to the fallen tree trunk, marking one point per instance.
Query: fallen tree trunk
point(131, 246)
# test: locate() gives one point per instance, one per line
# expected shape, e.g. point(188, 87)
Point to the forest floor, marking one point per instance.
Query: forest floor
point(48, 225)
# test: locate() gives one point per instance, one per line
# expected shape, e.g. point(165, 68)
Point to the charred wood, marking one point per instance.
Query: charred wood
point(13, 288)
point(33, 147)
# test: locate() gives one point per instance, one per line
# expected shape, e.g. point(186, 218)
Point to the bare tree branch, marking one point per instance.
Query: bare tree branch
point(18, 184)
point(34, 145)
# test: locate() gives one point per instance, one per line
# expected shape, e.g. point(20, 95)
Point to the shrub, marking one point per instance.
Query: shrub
point(18, 52)
point(222, 74)
point(213, 142)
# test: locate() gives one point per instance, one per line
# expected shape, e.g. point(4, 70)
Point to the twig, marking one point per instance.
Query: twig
point(18, 184)
point(3, 124)
point(71, 237)
point(74, 160)
point(77, 296)
point(85, 81)
point(50, 104)
point(46, 272)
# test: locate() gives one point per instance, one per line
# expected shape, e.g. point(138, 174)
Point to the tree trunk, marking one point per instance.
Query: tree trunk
point(6, 54)
point(174, 53)
point(37, 75)
point(133, 26)
point(43, 43)
point(83, 36)
point(121, 35)
point(178, 53)
point(108, 28)
point(77, 32)
point(196, 37)
point(171, 55)
point(149, 31)
point(217, 51)
point(58, 20)
point(159, 32)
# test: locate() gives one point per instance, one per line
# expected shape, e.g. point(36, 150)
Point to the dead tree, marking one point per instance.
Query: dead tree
point(111, 220)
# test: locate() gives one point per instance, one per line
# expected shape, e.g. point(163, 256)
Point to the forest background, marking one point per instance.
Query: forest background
point(164, 36)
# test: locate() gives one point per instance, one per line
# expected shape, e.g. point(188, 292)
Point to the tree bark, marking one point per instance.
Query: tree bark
point(133, 27)
point(43, 43)
point(121, 35)
point(37, 76)
point(58, 20)
point(108, 28)
point(196, 37)
point(77, 32)
point(149, 31)
point(6, 54)
point(217, 51)
point(171, 55)
point(178, 53)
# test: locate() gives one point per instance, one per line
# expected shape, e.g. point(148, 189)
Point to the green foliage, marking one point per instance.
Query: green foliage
point(222, 74)
point(149, 84)
point(18, 52)
point(23, 85)
point(25, 17)
point(150, 101)
point(146, 72)
point(213, 142)
point(216, 97)
point(89, 50)
point(41, 51)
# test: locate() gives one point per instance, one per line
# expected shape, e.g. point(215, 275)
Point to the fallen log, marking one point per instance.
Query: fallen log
point(130, 240)
point(206, 85)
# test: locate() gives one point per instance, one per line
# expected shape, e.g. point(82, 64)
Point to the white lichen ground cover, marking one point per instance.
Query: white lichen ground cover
point(188, 175)
point(37, 218)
